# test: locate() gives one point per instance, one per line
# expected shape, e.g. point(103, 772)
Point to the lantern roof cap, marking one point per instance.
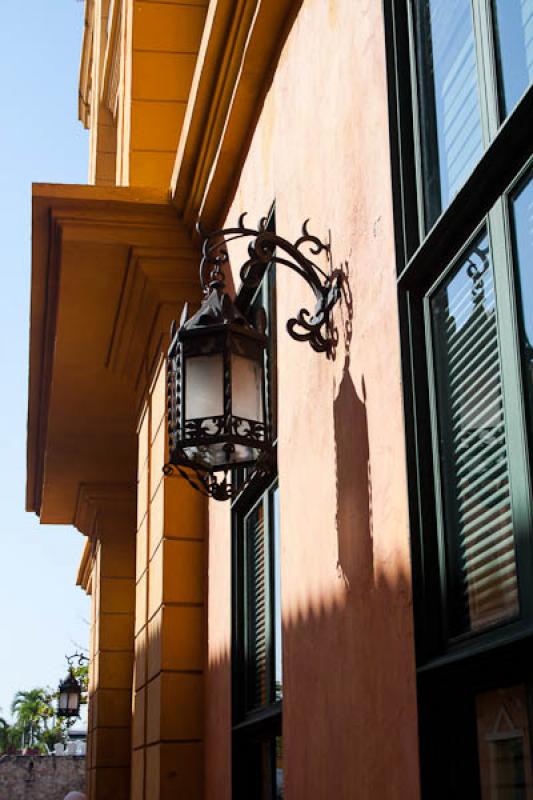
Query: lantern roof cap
point(70, 684)
point(218, 311)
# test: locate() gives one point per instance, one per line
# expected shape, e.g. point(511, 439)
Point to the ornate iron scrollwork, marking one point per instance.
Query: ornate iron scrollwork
point(220, 455)
point(265, 247)
point(476, 272)
point(223, 487)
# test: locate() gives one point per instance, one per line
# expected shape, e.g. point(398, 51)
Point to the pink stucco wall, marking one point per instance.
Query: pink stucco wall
point(321, 151)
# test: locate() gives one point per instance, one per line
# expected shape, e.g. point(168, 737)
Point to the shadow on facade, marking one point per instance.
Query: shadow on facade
point(349, 704)
point(349, 707)
point(354, 487)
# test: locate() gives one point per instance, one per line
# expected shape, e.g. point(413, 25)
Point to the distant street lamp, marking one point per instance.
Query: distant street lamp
point(69, 691)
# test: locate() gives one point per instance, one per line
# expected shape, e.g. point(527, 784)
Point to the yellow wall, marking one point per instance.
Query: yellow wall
point(139, 57)
point(165, 41)
point(112, 588)
point(167, 759)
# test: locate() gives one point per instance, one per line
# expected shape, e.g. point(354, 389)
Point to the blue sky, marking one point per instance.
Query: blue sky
point(43, 615)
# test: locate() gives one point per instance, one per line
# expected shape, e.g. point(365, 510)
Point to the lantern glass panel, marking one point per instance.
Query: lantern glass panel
point(63, 701)
point(204, 386)
point(73, 700)
point(247, 394)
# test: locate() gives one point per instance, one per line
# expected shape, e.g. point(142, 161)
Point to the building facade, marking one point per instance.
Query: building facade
point(358, 622)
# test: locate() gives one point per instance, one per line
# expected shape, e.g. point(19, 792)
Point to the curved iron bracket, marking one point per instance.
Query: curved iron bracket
point(266, 247)
point(82, 659)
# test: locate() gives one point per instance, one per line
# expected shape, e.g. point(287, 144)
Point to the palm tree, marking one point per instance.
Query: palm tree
point(10, 736)
point(4, 735)
point(31, 708)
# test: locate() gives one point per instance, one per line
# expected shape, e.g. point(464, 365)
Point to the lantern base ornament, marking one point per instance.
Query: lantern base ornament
point(222, 487)
point(219, 409)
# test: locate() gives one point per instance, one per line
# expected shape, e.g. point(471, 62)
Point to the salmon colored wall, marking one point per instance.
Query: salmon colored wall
point(321, 151)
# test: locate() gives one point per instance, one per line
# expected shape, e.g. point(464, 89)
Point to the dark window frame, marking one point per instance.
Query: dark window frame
point(450, 670)
point(254, 729)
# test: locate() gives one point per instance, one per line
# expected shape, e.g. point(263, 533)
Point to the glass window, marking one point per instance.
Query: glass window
point(256, 604)
point(522, 221)
point(262, 602)
point(257, 625)
point(272, 769)
point(451, 130)
point(278, 660)
point(513, 22)
point(458, 69)
point(259, 770)
point(473, 449)
point(258, 657)
point(278, 766)
point(503, 736)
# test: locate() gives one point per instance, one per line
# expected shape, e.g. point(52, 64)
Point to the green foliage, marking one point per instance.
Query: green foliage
point(81, 673)
point(10, 736)
point(32, 709)
point(54, 735)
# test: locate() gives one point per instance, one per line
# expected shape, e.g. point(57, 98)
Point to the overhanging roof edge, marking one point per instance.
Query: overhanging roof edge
point(96, 204)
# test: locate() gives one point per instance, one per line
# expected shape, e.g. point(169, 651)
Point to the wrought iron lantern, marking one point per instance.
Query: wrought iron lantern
point(216, 382)
point(68, 703)
point(69, 691)
point(218, 414)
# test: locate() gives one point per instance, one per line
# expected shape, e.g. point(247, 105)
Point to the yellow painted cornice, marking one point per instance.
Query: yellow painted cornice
point(240, 48)
point(84, 94)
point(111, 267)
point(85, 568)
point(95, 498)
point(111, 69)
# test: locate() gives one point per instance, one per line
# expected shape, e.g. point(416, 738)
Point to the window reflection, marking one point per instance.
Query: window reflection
point(278, 663)
point(473, 448)
point(513, 21)
point(503, 732)
point(269, 775)
point(522, 218)
point(257, 605)
point(262, 602)
point(450, 98)
point(279, 781)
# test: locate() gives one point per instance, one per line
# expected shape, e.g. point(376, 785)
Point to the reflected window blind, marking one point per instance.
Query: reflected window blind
point(526, 7)
point(522, 222)
point(257, 605)
point(456, 92)
point(473, 453)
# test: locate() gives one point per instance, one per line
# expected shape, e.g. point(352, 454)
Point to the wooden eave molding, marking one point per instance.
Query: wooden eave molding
point(219, 58)
point(84, 94)
point(143, 221)
point(240, 48)
point(111, 69)
point(97, 498)
point(152, 286)
point(85, 568)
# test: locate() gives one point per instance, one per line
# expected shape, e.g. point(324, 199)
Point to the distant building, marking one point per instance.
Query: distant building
point(359, 624)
